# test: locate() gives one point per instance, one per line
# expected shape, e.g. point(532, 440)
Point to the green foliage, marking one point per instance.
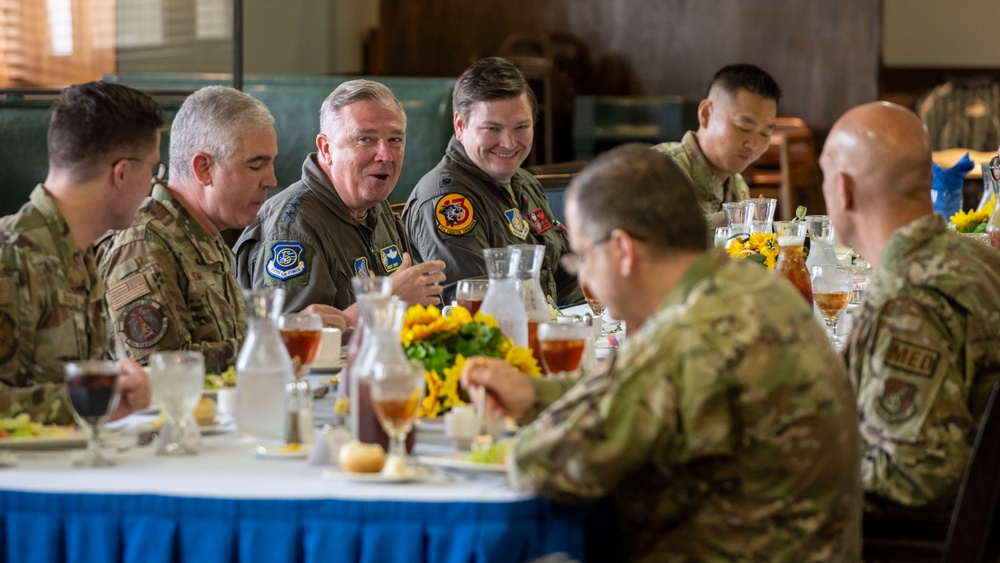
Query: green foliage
point(437, 351)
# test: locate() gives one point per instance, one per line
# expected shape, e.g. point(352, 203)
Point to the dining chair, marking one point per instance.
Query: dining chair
point(788, 170)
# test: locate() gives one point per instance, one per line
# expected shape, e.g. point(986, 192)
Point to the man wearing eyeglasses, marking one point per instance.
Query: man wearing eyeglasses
point(170, 280)
point(924, 349)
point(724, 429)
point(103, 143)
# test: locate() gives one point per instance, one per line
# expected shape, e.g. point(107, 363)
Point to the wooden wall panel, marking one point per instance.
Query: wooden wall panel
point(824, 54)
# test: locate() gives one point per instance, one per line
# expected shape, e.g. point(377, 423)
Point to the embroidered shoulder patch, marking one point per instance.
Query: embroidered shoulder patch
point(454, 214)
point(517, 223)
point(361, 269)
point(897, 403)
point(912, 358)
point(142, 324)
point(127, 291)
point(391, 258)
point(539, 221)
point(8, 337)
point(286, 260)
point(445, 182)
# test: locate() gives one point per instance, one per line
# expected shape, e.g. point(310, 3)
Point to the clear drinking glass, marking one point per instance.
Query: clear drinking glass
point(739, 215)
point(563, 346)
point(832, 286)
point(763, 214)
point(470, 292)
point(92, 388)
point(597, 306)
point(396, 391)
point(177, 379)
point(722, 235)
point(301, 333)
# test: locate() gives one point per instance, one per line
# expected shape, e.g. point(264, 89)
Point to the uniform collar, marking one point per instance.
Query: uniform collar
point(910, 237)
point(702, 172)
point(316, 180)
point(58, 229)
point(457, 153)
point(206, 244)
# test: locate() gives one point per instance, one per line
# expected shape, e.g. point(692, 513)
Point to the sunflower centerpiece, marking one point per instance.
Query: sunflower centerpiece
point(443, 342)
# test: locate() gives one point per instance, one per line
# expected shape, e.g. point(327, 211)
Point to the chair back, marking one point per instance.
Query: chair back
point(972, 536)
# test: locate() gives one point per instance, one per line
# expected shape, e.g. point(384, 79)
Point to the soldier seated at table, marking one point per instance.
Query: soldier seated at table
point(104, 146)
point(724, 429)
point(923, 350)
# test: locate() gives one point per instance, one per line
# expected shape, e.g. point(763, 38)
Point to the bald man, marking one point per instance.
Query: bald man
point(924, 349)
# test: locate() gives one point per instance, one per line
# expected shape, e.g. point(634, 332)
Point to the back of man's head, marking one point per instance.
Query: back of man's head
point(744, 76)
point(210, 121)
point(492, 78)
point(359, 90)
point(97, 123)
point(642, 192)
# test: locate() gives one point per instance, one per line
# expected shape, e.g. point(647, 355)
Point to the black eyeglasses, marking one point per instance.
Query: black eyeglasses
point(995, 168)
point(158, 172)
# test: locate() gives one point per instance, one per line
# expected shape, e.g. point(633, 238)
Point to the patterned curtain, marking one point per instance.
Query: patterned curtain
point(55, 43)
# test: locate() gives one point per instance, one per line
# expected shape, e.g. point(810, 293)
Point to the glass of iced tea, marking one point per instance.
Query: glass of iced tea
point(563, 346)
point(470, 292)
point(92, 388)
point(302, 333)
point(396, 391)
point(832, 286)
point(596, 305)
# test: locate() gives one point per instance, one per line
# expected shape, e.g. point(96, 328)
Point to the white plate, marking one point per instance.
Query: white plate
point(281, 451)
point(76, 439)
point(338, 475)
point(461, 462)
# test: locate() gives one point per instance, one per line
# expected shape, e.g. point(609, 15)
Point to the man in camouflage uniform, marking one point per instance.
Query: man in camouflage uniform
point(735, 122)
point(724, 429)
point(478, 196)
point(335, 224)
point(103, 142)
point(923, 350)
point(169, 275)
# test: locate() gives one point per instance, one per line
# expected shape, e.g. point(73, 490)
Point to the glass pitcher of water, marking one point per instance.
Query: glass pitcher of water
point(503, 300)
point(263, 368)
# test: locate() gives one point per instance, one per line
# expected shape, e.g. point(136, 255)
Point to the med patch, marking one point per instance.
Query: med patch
point(391, 258)
point(287, 260)
point(454, 214)
point(142, 324)
point(518, 225)
point(912, 358)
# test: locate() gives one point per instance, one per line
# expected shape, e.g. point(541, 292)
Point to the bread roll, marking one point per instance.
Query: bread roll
point(204, 413)
point(356, 457)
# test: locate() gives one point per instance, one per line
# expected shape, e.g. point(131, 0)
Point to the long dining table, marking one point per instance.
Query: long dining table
point(229, 504)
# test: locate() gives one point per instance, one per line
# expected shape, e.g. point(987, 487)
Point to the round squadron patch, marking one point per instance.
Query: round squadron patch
point(8, 337)
point(142, 324)
point(897, 401)
point(454, 214)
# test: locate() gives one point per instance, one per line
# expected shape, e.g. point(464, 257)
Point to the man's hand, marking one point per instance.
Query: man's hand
point(332, 317)
point(133, 388)
point(508, 391)
point(418, 283)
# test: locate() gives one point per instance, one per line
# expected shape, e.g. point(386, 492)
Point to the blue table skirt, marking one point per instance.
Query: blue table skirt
point(51, 528)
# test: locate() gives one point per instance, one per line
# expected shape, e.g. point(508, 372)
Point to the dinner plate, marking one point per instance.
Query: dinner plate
point(282, 451)
point(75, 439)
point(461, 462)
point(338, 475)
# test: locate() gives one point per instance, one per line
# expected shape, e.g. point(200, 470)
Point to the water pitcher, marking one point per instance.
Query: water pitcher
point(263, 368)
point(532, 296)
point(503, 300)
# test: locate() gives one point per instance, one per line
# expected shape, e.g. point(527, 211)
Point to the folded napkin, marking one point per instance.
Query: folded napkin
point(946, 189)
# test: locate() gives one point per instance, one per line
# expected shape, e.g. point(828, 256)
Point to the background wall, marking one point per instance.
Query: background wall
point(824, 54)
point(931, 33)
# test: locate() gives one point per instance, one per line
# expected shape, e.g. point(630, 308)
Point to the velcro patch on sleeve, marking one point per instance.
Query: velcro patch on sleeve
point(287, 260)
point(127, 291)
point(454, 214)
point(142, 324)
point(912, 358)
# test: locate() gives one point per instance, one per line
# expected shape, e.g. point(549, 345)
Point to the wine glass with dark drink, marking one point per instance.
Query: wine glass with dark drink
point(396, 391)
point(470, 292)
point(302, 333)
point(832, 289)
point(92, 389)
point(563, 346)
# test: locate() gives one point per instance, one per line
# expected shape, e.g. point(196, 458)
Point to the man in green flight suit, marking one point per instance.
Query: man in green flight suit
point(735, 122)
point(724, 429)
point(924, 350)
point(478, 196)
point(104, 145)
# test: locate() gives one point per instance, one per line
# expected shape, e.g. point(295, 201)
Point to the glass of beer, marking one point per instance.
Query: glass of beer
point(396, 391)
point(563, 346)
point(470, 292)
point(92, 388)
point(832, 286)
point(302, 333)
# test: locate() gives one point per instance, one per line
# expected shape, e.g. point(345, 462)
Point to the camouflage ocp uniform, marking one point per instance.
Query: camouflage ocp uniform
point(170, 286)
point(724, 429)
point(712, 192)
point(924, 352)
point(51, 309)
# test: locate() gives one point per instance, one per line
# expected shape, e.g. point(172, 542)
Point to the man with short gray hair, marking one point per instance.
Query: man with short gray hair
point(169, 275)
point(335, 223)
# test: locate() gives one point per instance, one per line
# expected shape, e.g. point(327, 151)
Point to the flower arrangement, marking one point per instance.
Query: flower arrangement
point(442, 344)
point(758, 247)
point(972, 221)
